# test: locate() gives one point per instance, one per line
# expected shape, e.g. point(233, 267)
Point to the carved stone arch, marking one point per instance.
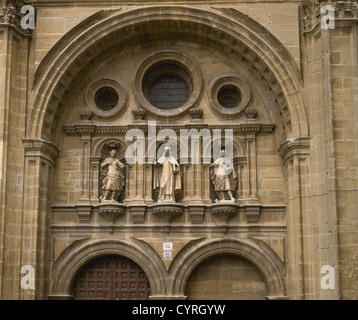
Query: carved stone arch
point(255, 251)
point(239, 147)
point(232, 32)
point(115, 143)
point(79, 253)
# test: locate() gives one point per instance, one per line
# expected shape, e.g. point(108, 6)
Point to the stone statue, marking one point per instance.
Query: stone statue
point(113, 177)
point(167, 177)
point(223, 177)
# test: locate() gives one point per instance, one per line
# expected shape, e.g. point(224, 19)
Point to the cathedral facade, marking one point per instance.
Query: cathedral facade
point(178, 150)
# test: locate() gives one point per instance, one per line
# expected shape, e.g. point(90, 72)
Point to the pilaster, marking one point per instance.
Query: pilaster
point(40, 156)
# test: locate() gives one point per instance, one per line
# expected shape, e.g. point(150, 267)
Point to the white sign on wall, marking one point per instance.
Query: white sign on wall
point(168, 246)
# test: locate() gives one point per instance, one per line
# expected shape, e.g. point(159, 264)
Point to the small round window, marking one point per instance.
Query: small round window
point(106, 98)
point(167, 86)
point(229, 96)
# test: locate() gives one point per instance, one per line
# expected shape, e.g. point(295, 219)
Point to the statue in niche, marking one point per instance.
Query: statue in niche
point(113, 177)
point(167, 177)
point(223, 178)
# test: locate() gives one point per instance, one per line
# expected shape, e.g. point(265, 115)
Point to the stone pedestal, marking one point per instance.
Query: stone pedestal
point(111, 210)
point(167, 211)
point(224, 210)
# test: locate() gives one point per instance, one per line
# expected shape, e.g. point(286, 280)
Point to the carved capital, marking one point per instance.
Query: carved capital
point(346, 9)
point(10, 13)
point(292, 147)
point(311, 14)
point(41, 148)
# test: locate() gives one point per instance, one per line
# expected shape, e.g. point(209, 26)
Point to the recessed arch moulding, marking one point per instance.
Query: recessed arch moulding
point(226, 40)
point(226, 32)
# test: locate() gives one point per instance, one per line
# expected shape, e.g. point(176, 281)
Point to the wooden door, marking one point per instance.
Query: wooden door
point(111, 278)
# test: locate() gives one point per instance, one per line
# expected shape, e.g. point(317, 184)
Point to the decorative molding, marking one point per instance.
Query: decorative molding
point(312, 12)
point(196, 114)
point(41, 148)
point(311, 15)
point(10, 14)
point(167, 212)
point(139, 114)
point(111, 211)
point(84, 213)
point(197, 213)
point(253, 213)
point(298, 146)
point(86, 114)
point(346, 9)
point(244, 128)
point(138, 213)
point(80, 129)
point(251, 112)
point(224, 211)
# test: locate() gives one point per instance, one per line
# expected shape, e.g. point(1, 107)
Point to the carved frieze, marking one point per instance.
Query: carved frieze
point(313, 15)
point(346, 9)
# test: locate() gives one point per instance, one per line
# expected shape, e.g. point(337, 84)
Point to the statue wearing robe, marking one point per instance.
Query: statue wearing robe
point(167, 177)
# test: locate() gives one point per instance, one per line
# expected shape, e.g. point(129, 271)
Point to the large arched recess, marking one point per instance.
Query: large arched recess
point(80, 252)
point(255, 251)
point(227, 29)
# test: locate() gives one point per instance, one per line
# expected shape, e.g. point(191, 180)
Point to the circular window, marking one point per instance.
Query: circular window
point(229, 96)
point(167, 86)
point(106, 98)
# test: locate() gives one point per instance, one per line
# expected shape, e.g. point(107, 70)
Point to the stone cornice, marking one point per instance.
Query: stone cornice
point(292, 147)
point(41, 148)
point(244, 128)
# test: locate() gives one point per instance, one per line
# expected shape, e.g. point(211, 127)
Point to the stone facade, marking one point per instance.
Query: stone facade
point(295, 146)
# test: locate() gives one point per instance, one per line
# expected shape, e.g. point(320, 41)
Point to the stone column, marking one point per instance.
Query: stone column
point(250, 189)
point(295, 156)
point(14, 64)
point(40, 158)
point(331, 74)
point(84, 206)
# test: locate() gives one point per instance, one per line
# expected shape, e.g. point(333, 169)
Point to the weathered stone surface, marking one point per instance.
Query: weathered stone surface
point(295, 146)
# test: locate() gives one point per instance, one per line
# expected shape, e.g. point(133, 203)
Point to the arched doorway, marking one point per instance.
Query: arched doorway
point(226, 277)
point(111, 278)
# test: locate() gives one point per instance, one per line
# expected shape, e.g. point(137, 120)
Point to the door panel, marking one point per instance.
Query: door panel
point(111, 278)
